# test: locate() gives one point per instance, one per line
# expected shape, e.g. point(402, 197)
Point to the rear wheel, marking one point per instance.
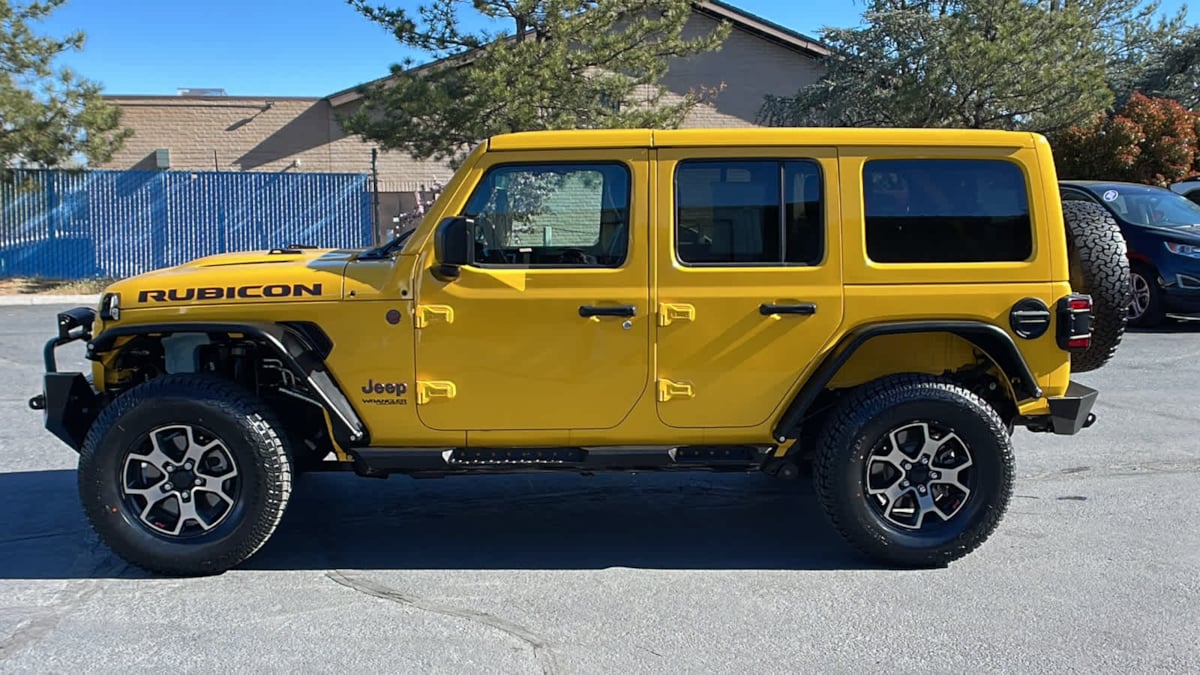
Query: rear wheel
point(185, 475)
point(914, 470)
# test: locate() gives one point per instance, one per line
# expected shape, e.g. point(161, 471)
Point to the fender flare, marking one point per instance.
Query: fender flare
point(302, 347)
point(988, 338)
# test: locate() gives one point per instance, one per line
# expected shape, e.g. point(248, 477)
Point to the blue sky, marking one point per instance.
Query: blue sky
point(285, 47)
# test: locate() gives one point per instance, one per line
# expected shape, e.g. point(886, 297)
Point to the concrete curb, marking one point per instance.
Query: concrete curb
point(35, 299)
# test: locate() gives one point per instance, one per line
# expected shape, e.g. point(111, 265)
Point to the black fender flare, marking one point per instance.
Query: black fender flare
point(302, 347)
point(988, 338)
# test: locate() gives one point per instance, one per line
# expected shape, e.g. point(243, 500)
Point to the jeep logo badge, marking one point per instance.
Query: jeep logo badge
point(397, 388)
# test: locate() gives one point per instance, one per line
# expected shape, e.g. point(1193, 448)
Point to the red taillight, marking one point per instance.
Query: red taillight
point(1075, 322)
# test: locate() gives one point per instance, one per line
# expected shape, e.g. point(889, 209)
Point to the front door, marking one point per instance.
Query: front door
point(548, 327)
point(749, 280)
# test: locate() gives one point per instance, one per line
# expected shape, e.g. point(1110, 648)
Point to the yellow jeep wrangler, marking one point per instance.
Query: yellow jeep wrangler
point(884, 307)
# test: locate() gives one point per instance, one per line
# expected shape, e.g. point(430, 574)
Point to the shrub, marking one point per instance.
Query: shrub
point(1148, 140)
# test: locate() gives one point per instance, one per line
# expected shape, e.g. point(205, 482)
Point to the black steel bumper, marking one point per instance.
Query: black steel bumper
point(68, 399)
point(1069, 413)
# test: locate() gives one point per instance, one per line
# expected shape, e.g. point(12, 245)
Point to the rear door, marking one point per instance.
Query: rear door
point(748, 279)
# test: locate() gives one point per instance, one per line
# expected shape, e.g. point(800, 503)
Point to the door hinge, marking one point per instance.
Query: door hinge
point(669, 312)
point(668, 390)
point(429, 313)
point(427, 391)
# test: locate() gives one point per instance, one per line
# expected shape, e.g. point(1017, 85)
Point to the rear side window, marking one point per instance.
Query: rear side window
point(749, 212)
point(946, 210)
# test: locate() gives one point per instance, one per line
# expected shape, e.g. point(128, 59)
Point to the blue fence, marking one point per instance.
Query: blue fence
point(67, 225)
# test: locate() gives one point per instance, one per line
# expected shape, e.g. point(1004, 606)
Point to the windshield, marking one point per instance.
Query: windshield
point(1149, 206)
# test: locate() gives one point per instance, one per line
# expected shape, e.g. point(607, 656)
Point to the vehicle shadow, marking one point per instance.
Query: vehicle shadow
point(1172, 324)
point(533, 521)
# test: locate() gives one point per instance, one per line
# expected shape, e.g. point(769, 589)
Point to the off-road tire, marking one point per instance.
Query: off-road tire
point(1155, 313)
point(863, 419)
point(1099, 267)
point(246, 428)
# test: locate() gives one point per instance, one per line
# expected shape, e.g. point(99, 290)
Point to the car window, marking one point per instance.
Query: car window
point(1073, 196)
point(946, 210)
point(749, 212)
point(1152, 206)
point(552, 215)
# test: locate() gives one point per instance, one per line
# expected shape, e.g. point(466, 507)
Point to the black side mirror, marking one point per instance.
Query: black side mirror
point(453, 246)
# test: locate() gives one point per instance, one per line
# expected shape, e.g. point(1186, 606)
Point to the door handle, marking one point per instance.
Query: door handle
point(767, 309)
point(617, 310)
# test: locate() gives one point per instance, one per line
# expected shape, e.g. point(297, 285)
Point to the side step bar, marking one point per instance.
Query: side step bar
point(433, 462)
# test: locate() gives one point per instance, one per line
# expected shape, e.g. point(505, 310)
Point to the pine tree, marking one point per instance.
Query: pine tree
point(555, 64)
point(49, 116)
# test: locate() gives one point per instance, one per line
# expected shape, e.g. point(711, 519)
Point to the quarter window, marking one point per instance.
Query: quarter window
point(751, 212)
point(946, 210)
point(552, 215)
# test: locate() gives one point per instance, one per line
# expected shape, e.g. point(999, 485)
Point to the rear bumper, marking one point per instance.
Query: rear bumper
point(1069, 413)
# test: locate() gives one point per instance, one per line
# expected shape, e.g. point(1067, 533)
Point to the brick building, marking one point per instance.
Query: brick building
point(248, 133)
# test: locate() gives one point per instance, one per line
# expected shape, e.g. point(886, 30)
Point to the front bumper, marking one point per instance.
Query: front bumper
point(69, 401)
point(1069, 413)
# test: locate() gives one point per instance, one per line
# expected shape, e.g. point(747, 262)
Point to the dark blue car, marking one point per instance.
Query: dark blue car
point(1162, 232)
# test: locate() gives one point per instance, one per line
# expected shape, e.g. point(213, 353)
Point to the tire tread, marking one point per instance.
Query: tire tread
point(1093, 236)
point(837, 445)
point(228, 399)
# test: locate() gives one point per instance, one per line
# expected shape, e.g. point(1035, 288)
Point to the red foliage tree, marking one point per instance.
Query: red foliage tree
point(1149, 140)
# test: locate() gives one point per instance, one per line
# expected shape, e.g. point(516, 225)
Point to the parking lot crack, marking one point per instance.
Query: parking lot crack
point(539, 647)
point(46, 619)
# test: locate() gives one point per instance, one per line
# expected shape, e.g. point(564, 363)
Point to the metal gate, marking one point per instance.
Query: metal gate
point(75, 225)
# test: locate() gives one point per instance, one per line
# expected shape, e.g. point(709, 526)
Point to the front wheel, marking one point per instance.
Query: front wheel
point(185, 475)
point(914, 470)
point(1146, 308)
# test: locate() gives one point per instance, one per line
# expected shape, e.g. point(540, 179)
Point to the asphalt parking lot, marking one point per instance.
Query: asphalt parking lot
point(1096, 566)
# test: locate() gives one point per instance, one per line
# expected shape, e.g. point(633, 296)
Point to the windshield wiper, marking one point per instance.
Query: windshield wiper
point(387, 249)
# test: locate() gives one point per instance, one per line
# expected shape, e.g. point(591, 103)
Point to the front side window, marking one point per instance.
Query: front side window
point(749, 212)
point(552, 215)
point(946, 210)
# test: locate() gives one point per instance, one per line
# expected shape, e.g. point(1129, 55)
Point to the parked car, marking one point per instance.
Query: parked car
point(1162, 232)
point(1189, 188)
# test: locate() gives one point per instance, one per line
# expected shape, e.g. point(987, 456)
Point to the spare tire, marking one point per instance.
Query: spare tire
point(1099, 267)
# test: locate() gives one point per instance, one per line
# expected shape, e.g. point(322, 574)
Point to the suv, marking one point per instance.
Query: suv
point(1162, 235)
point(883, 306)
point(1189, 187)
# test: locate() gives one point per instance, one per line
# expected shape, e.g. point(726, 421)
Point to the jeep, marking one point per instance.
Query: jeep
point(882, 308)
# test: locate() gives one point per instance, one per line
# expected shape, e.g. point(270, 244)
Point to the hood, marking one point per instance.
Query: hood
point(292, 275)
point(1184, 234)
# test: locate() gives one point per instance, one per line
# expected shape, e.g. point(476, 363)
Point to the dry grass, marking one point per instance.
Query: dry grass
point(40, 286)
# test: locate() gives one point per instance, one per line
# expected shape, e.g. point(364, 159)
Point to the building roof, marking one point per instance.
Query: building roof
point(763, 27)
point(739, 18)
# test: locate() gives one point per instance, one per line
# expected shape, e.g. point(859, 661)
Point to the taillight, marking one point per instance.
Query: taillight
point(1075, 322)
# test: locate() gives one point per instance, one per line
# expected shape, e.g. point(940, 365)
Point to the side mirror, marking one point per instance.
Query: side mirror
point(453, 246)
